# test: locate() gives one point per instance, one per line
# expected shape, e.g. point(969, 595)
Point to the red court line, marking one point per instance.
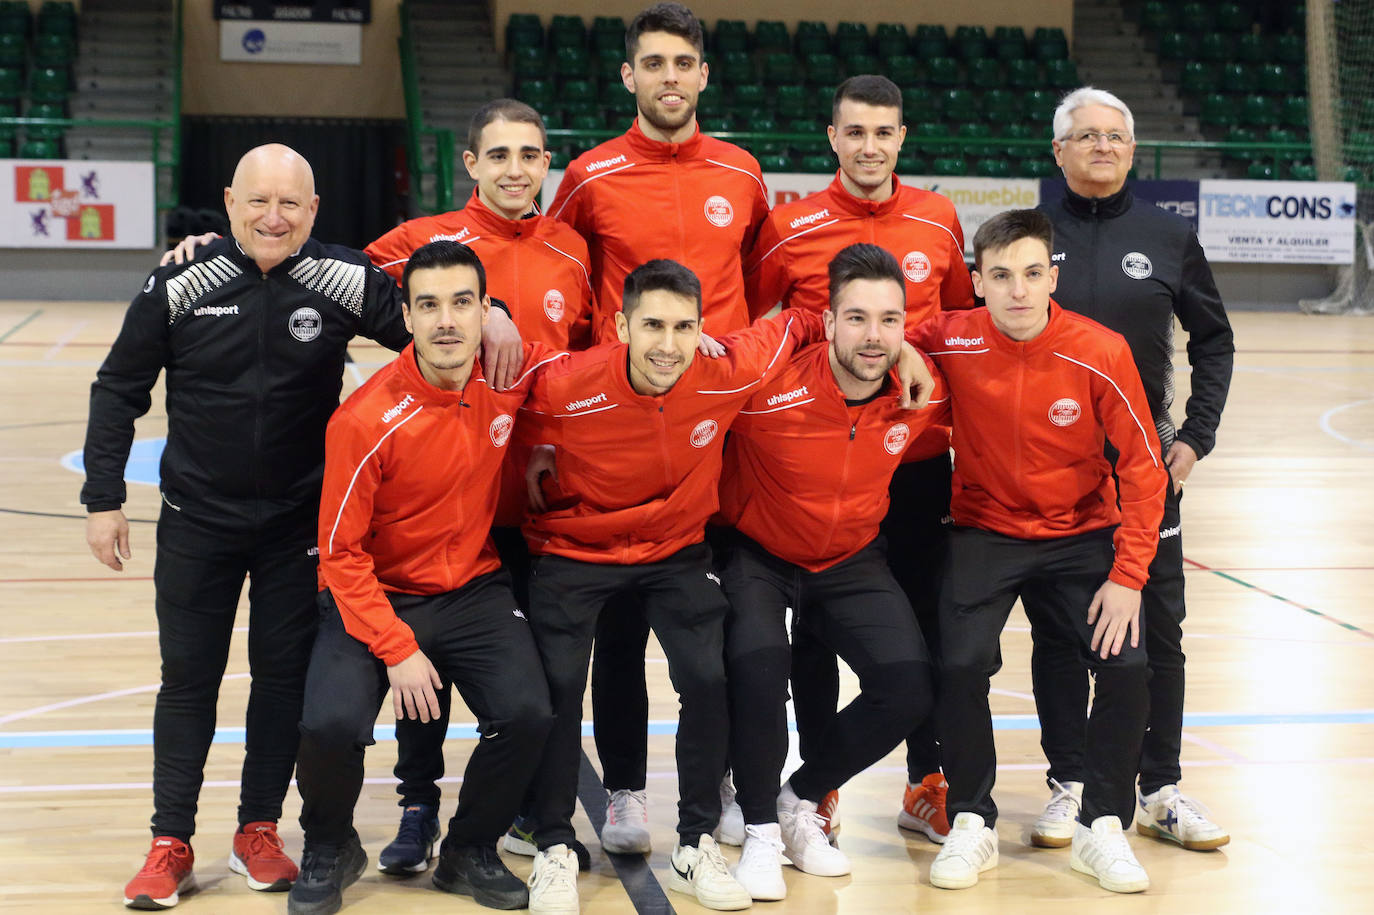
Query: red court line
point(1349, 627)
point(1306, 352)
point(1203, 568)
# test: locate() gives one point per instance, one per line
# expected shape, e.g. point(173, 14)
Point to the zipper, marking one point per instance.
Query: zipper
point(1017, 413)
point(264, 302)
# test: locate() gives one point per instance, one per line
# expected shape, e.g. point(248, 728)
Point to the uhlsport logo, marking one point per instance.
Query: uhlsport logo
point(1136, 265)
point(585, 402)
point(500, 429)
point(963, 341)
point(553, 305)
point(916, 266)
point(788, 397)
point(215, 311)
point(1065, 411)
point(896, 437)
point(718, 211)
point(809, 218)
point(703, 433)
point(305, 324)
point(398, 409)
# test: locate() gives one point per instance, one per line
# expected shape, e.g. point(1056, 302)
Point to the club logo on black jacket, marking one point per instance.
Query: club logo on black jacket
point(1136, 265)
point(305, 324)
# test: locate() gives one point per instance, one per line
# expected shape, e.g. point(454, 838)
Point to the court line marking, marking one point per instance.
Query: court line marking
point(97, 697)
point(1325, 424)
point(11, 640)
point(6, 335)
point(1349, 627)
point(1215, 747)
point(467, 731)
point(65, 339)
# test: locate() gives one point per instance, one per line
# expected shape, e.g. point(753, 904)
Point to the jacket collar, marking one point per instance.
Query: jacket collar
point(490, 223)
point(428, 392)
point(857, 206)
point(1042, 340)
point(1098, 207)
point(239, 256)
point(656, 151)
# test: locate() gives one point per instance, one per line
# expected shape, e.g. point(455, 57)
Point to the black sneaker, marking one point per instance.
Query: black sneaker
point(477, 871)
point(410, 851)
point(325, 871)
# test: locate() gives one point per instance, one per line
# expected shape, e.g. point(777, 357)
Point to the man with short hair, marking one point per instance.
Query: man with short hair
point(805, 488)
point(1134, 267)
point(253, 339)
point(414, 595)
point(539, 267)
point(707, 200)
point(1037, 392)
point(868, 203)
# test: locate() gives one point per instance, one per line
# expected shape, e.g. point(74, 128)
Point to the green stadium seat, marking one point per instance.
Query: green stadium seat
point(1195, 18)
point(1231, 18)
point(523, 30)
point(753, 97)
point(1062, 74)
point(1296, 14)
point(1302, 171)
point(902, 69)
point(1260, 171)
point(852, 38)
point(577, 90)
point(1218, 111)
point(972, 45)
point(910, 164)
point(1240, 134)
point(856, 64)
point(986, 73)
point(1290, 49)
point(975, 135)
point(710, 105)
point(943, 72)
point(1353, 173)
point(802, 125)
point(1252, 48)
point(46, 110)
point(537, 93)
point(587, 122)
point(606, 63)
point(930, 130)
point(1294, 111)
point(1017, 131)
point(1359, 146)
point(1216, 47)
point(573, 63)
point(1023, 74)
point(1281, 135)
point(823, 69)
point(733, 68)
point(780, 67)
point(11, 83)
point(567, 32)
point(890, 39)
point(792, 102)
point(813, 37)
point(767, 147)
point(1009, 42)
point(572, 109)
point(1258, 111)
point(14, 18)
point(1275, 78)
point(818, 163)
point(40, 148)
point(958, 104)
point(1040, 105)
point(1197, 78)
point(770, 36)
point(775, 162)
point(730, 36)
point(1157, 17)
point(822, 100)
point(1175, 46)
point(1238, 78)
point(1001, 105)
point(920, 103)
point(613, 97)
point(930, 41)
point(949, 165)
point(14, 50)
point(1037, 167)
point(992, 167)
point(1049, 44)
point(528, 63)
point(49, 84)
point(608, 34)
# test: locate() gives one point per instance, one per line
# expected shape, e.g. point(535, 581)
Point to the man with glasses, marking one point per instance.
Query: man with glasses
point(1133, 267)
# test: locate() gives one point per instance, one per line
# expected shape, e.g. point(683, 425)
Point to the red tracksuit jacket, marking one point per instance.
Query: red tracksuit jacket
point(1030, 421)
point(638, 475)
point(806, 475)
point(537, 266)
point(410, 485)
point(699, 202)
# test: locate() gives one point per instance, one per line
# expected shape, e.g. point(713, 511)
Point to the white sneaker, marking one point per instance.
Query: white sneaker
point(627, 823)
point(553, 882)
point(1104, 853)
point(702, 872)
point(804, 839)
point(760, 869)
point(1055, 826)
point(730, 830)
point(969, 849)
point(1169, 814)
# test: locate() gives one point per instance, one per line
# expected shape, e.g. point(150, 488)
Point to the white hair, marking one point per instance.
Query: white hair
point(1080, 98)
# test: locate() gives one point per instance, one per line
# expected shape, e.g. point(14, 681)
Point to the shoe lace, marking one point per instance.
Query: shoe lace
point(1111, 846)
point(811, 825)
point(936, 793)
point(552, 868)
point(764, 842)
point(163, 858)
point(264, 841)
point(318, 863)
point(412, 828)
point(962, 842)
point(710, 860)
point(1063, 805)
point(629, 806)
point(1188, 811)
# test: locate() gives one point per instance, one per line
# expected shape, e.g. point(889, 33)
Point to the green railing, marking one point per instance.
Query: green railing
point(440, 171)
point(158, 128)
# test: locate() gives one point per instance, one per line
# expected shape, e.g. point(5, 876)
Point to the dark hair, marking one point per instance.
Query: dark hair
point(439, 254)
point(503, 109)
point(1009, 227)
point(863, 262)
point(870, 90)
point(660, 274)
point(673, 18)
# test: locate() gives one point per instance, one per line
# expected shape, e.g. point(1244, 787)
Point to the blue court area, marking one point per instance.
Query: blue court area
point(144, 458)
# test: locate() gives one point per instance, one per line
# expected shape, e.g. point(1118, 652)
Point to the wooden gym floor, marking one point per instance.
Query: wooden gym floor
point(1279, 739)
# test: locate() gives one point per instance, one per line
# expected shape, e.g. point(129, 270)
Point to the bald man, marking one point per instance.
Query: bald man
point(252, 338)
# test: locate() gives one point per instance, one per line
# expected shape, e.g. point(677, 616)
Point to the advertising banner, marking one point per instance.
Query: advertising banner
point(56, 203)
point(359, 11)
point(262, 41)
point(1277, 222)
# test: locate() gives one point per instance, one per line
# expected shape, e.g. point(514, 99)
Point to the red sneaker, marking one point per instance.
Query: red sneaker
point(166, 874)
point(923, 808)
point(258, 856)
point(829, 811)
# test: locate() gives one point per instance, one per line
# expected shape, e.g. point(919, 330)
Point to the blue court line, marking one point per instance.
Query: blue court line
point(139, 737)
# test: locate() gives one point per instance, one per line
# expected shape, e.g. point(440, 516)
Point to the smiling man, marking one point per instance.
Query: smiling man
point(867, 203)
point(252, 337)
point(414, 595)
point(1134, 267)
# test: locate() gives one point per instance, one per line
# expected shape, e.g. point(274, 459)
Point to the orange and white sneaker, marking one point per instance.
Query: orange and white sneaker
point(829, 812)
point(923, 808)
point(258, 856)
point(166, 874)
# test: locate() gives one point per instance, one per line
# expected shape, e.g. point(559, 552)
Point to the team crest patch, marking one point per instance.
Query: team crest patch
point(895, 439)
point(719, 212)
point(305, 324)
point(1136, 265)
point(704, 433)
point(500, 429)
point(553, 305)
point(916, 266)
point(1065, 411)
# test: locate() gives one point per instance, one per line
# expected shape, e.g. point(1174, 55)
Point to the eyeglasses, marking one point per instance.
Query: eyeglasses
point(1088, 139)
